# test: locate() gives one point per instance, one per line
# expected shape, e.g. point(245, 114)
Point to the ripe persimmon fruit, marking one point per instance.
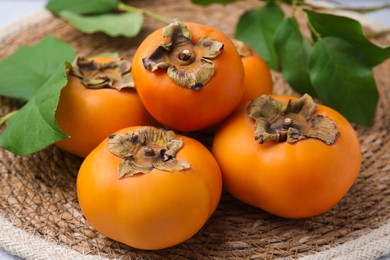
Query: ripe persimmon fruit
point(288, 156)
point(149, 188)
point(189, 76)
point(258, 78)
point(99, 99)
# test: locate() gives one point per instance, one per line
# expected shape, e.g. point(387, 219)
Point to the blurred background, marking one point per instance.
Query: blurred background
point(381, 16)
point(11, 10)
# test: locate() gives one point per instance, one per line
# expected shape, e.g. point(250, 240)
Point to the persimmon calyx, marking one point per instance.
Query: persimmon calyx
point(146, 149)
point(290, 123)
point(188, 64)
point(94, 75)
point(243, 49)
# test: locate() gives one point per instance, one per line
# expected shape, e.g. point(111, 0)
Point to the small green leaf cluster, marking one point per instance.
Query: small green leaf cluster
point(34, 75)
point(108, 16)
point(335, 65)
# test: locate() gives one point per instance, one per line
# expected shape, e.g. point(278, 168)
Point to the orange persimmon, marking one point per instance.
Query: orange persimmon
point(291, 158)
point(189, 76)
point(93, 104)
point(149, 188)
point(258, 78)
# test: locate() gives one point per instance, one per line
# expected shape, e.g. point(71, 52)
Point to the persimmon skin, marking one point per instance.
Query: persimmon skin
point(90, 115)
point(258, 78)
point(257, 81)
point(179, 107)
point(289, 180)
point(154, 210)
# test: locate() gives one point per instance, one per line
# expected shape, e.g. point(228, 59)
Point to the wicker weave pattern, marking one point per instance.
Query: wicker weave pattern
point(38, 196)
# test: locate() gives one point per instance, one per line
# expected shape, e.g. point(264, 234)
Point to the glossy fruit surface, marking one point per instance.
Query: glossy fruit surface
point(89, 115)
point(151, 210)
point(291, 180)
point(183, 108)
point(258, 79)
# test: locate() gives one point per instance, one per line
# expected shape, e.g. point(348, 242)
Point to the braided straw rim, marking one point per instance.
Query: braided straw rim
point(370, 243)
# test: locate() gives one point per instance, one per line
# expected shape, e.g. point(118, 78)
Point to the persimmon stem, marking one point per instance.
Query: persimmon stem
point(185, 55)
point(146, 149)
point(291, 123)
point(287, 122)
point(6, 117)
point(127, 8)
point(149, 152)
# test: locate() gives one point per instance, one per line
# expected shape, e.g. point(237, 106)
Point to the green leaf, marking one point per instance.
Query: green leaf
point(82, 6)
point(34, 127)
point(24, 72)
point(342, 80)
point(126, 24)
point(257, 28)
point(351, 31)
point(207, 2)
point(293, 51)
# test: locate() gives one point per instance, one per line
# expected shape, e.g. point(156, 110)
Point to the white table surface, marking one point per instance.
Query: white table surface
point(12, 10)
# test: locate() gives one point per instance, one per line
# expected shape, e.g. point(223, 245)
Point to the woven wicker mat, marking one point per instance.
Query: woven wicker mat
point(41, 219)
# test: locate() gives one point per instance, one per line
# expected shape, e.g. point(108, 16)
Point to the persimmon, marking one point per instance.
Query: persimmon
point(98, 100)
point(149, 188)
point(189, 76)
point(258, 78)
point(288, 156)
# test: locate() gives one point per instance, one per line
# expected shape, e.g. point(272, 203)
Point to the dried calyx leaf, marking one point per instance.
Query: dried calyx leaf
point(290, 123)
point(146, 149)
point(242, 48)
point(188, 64)
point(114, 74)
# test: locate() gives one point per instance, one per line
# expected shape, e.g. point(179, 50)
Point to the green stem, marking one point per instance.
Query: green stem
point(311, 27)
point(127, 8)
point(5, 118)
point(294, 7)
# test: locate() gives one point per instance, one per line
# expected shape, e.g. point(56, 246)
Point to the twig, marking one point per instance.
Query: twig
point(6, 117)
point(127, 8)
